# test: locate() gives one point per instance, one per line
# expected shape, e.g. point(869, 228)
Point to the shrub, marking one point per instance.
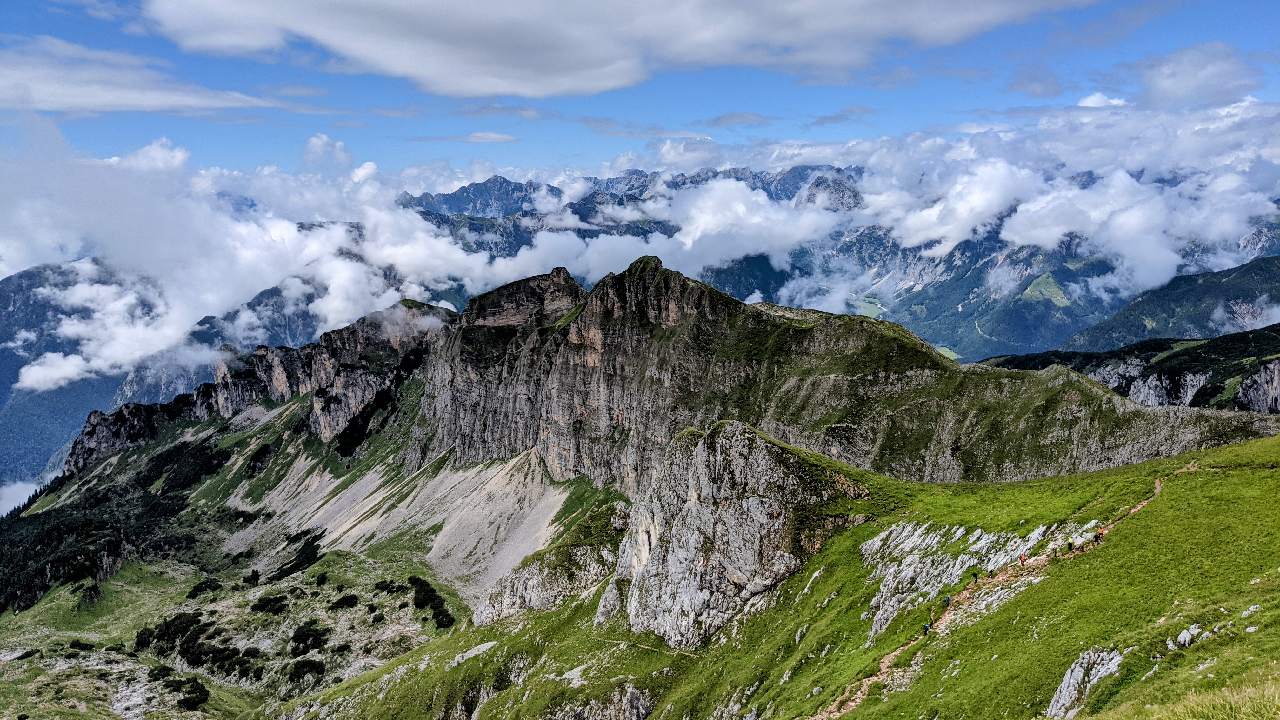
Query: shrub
point(270, 604)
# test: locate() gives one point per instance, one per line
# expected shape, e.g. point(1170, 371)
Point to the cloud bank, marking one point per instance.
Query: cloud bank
point(1144, 184)
point(543, 47)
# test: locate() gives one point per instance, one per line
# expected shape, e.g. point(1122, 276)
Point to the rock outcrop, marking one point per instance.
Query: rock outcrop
point(1092, 666)
point(625, 703)
point(914, 561)
point(1237, 371)
point(344, 371)
point(545, 582)
point(1260, 391)
point(725, 521)
point(597, 382)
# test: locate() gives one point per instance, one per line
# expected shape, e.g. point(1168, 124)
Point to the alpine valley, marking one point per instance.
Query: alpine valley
point(648, 499)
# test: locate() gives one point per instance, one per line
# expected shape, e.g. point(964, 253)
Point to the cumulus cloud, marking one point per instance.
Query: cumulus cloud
point(45, 73)
point(158, 155)
point(538, 49)
point(1135, 184)
point(972, 199)
point(1141, 184)
point(1199, 76)
point(1100, 100)
point(324, 150)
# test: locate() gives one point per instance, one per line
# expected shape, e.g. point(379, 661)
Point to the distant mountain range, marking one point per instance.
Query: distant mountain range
point(36, 426)
point(983, 298)
point(1201, 305)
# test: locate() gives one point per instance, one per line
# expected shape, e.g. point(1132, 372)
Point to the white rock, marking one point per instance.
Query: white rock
point(1092, 666)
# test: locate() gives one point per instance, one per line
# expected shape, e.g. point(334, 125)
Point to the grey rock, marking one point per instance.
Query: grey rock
point(344, 371)
point(1092, 666)
point(1260, 392)
point(913, 561)
point(625, 703)
point(546, 582)
point(717, 528)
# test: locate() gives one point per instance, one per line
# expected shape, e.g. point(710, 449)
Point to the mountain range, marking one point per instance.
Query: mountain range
point(642, 499)
point(983, 298)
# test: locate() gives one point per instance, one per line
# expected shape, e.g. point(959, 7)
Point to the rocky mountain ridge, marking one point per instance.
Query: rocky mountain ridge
point(438, 510)
point(597, 382)
point(1239, 371)
point(983, 298)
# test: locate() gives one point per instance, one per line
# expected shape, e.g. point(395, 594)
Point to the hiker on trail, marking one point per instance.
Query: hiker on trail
point(1097, 537)
point(1023, 559)
point(946, 601)
point(926, 628)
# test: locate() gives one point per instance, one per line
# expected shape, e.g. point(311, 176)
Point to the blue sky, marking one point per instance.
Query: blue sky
point(304, 83)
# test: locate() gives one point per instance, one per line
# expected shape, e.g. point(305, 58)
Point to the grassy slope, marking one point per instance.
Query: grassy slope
point(55, 685)
point(1190, 556)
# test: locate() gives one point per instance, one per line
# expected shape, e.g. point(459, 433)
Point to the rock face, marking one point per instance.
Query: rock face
point(598, 382)
point(344, 372)
point(1236, 371)
point(1260, 392)
point(1154, 390)
point(626, 703)
point(544, 583)
point(723, 523)
point(1092, 666)
point(914, 561)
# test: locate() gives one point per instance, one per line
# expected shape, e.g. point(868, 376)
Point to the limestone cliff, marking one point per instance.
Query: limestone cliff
point(727, 519)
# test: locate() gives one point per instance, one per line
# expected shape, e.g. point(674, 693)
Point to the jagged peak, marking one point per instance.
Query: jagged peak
point(645, 264)
point(533, 299)
point(657, 295)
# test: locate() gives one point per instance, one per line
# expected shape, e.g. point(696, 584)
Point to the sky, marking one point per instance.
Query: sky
point(124, 126)
point(580, 85)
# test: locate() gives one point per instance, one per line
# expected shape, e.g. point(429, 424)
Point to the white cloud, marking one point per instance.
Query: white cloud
point(967, 201)
point(160, 155)
point(323, 150)
point(52, 370)
point(540, 48)
point(1199, 76)
point(46, 73)
point(14, 494)
point(1099, 100)
point(1139, 183)
point(479, 137)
